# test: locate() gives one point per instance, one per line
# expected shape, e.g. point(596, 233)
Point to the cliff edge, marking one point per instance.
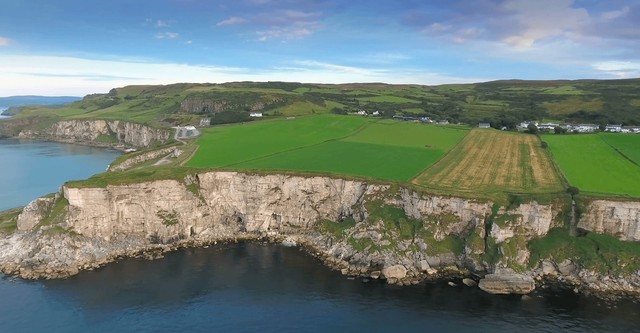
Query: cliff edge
point(363, 229)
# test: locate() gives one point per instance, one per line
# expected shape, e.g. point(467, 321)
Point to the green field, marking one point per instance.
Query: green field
point(626, 144)
point(386, 150)
point(592, 165)
point(225, 146)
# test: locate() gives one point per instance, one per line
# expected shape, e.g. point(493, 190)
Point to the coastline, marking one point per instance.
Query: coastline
point(95, 226)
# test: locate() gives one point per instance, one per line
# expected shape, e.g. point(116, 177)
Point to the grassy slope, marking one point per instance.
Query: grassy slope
point(590, 164)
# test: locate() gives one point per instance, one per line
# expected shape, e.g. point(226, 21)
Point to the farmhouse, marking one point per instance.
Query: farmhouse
point(631, 129)
point(547, 126)
point(583, 128)
point(255, 114)
point(617, 128)
point(484, 125)
point(525, 124)
point(362, 112)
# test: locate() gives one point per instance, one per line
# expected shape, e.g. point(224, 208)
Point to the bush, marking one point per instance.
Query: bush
point(573, 190)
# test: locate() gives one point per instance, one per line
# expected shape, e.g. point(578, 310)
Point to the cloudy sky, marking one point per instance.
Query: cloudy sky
point(75, 47)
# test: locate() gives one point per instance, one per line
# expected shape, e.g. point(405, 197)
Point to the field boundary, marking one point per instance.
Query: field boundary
point(618, 151)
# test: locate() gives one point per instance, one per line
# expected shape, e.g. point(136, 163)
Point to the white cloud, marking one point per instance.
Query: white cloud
point(234, 20)
point(287, 33)
point(616, 14)
point(51, 75)
point(167, 35)
point(534, 21)
point(620, 69)
point(5, 41)
point(337, 68)
point(162, 24)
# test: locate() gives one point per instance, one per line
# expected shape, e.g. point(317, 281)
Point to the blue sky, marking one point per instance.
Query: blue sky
point(75, 47)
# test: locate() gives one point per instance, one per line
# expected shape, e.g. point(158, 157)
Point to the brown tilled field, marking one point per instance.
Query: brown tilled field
point(490, 160)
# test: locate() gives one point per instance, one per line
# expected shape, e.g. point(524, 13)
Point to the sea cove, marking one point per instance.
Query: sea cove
point(248, 287)
point(30, 169)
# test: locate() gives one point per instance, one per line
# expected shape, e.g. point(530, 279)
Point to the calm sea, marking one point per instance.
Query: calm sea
point(30, 169)
point(251, 287)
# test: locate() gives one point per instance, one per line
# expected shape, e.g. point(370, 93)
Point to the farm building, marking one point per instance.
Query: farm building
point(583, 128)
point(484, 125)
point(617, 128)
point(547, 126)
point(255, 114)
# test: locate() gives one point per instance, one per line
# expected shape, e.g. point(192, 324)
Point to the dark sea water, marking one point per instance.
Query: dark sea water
point(252, 287)
point(30, 169)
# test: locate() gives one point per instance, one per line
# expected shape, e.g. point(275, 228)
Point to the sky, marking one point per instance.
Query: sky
point(77, 47)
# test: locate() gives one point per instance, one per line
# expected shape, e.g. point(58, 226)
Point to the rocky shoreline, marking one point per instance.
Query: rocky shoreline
point(341, 222)
point(101, 254)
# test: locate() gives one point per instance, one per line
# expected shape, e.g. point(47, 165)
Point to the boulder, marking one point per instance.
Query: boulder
point(34, 212)
point(396, 272)
point(510, 283)
point(469, 282)
point(567, 267)
point(549, 268)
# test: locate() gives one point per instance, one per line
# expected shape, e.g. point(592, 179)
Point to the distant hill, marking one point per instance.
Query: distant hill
point(502, 103)
point(36, 100)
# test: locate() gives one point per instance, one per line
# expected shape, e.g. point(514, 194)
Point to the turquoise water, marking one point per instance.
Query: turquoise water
point(252, 287)
point(30, 169)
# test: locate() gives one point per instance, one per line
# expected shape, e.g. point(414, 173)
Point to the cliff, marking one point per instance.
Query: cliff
point(100, 133)
point(372, 230)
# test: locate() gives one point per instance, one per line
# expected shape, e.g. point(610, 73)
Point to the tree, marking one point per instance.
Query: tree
point(544, 144)
point(559, 130)
point(573, 191)
point(532, 128)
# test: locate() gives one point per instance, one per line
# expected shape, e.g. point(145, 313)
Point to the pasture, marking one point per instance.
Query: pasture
point(626, 144)
point(593, 166)
point(225, 146)
point(490, 161)
point(327, 144)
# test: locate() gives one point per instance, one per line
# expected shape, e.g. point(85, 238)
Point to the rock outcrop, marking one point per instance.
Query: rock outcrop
point(619, 218)
point(140, 158)
point(507, 283)
point(342, 221)
point(101, 133)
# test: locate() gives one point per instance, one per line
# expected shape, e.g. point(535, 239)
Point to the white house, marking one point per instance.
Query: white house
point(525, 124)
point(547, 126)
point(585, 128)
point(255, 114)
point(613, 128)
point(362, 112)
point(484, 125)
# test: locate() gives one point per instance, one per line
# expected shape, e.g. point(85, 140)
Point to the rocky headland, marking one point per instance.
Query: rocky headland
point(376, 231)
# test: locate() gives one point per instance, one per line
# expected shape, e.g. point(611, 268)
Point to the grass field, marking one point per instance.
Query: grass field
point(592, 165)
point(225, 146)
point(385, 150)
point(492, 161)
point(626, 144)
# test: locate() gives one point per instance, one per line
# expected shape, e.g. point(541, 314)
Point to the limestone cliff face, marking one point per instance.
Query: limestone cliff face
point(101, 132)
point(427, 236)
point(226, 203)
point(618, 218)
